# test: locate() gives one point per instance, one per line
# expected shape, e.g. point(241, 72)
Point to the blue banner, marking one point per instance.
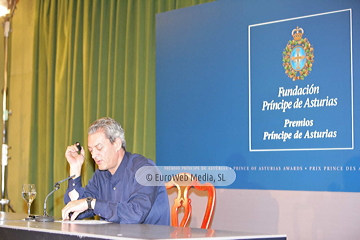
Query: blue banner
point(267, 88)
point(307, 102)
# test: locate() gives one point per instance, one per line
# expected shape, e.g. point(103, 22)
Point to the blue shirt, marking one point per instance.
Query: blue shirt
point(120, 198)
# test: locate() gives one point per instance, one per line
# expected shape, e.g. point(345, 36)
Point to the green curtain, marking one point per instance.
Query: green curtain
point(92, 58)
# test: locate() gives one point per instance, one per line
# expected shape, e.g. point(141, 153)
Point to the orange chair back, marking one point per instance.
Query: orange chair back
point(183, 182)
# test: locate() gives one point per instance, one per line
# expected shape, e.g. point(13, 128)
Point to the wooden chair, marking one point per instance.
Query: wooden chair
point(183, 182)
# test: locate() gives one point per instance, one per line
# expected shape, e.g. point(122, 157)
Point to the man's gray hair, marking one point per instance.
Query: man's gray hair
point(111, 128)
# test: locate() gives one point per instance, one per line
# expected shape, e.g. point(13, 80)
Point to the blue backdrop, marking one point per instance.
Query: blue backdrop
point(226, 94)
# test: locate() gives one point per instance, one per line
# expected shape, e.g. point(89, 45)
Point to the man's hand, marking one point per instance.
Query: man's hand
point(74, 207)
point(75, 159)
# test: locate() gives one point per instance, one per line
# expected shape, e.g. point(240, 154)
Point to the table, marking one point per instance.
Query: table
point(13, 226)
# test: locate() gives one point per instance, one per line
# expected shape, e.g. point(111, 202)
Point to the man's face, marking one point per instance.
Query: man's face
point(105, 154)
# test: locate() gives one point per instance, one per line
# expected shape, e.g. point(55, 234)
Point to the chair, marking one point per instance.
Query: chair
point(184, 182)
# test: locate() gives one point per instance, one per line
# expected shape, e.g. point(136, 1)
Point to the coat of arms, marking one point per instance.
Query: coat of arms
point(298, 56)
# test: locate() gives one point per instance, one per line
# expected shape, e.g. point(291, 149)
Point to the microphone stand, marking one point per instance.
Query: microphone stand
point(46, 217)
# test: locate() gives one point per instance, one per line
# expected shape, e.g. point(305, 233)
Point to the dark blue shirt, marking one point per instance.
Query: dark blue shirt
point(120, 198)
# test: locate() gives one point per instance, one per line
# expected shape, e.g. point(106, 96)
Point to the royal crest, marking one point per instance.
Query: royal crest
point(298, 56)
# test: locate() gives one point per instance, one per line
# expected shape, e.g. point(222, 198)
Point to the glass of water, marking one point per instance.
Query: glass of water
point(28, 194)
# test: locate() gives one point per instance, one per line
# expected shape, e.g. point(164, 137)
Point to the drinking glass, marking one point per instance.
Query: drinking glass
point(28, 194)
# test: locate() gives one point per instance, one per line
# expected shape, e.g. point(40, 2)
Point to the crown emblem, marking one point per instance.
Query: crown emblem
point(298, 56)
point(297, 33)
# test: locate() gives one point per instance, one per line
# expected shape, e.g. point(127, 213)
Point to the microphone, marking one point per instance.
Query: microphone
point(46, 217)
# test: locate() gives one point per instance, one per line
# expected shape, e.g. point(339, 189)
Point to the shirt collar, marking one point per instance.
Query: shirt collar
point(120, 170)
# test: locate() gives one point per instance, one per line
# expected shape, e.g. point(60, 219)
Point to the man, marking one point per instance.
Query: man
point(113, 192)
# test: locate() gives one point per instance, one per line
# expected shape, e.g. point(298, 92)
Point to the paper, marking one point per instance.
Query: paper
point(84, 222)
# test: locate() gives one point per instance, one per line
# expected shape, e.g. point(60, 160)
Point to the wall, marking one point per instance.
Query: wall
point(203, 116)
point(298, 214)
point(19, 99)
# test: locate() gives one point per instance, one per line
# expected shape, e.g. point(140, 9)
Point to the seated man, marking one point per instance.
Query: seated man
point(113, 192)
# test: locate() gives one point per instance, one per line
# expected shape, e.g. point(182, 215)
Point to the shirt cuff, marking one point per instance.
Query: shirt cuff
point(100, 208)
point(74, 183)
